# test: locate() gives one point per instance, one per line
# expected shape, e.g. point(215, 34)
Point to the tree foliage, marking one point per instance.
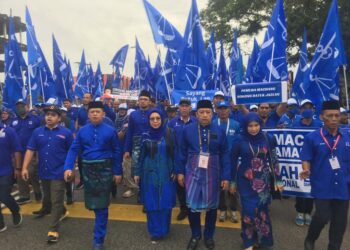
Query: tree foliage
point(251, 16)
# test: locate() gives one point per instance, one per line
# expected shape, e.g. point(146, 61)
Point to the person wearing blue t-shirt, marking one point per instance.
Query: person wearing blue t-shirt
point(9, 146)
point(231, 128)
point(270, 117)
point(289, 116)
point(325, 160)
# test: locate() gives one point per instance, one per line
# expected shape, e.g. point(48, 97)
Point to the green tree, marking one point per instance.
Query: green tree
point(250, 17)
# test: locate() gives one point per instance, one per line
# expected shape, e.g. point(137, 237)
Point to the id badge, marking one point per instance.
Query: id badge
point(334, 163)
point(203, 160)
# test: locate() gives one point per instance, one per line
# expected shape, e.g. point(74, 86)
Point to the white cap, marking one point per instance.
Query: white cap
point(123, 106)
point(63, 109)
point(292, 101)
point(97, 99)
point(51, 101)
point(305, 101)
point(219, 93)
point(343, 110)
point(253, 106)
point(130, 111)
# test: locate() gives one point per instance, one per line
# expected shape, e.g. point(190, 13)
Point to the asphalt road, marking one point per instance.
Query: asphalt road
point(77, 233)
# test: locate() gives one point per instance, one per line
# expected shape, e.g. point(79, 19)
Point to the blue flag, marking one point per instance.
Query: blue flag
point(298, 91)
point(249, 75)
point(143, 71)
point(70, 80)
point(223, 76)
point(163, 31)
point(157, 70)
point(81, 86)
point(272, 64)
point(14, 64)
point(212, 63)
point(193, 67)
point(236, 62)
point(117, 78)
point(119, 58)
point(320, 81)
point(97, 89)
point(61, 71)
point(90, 79)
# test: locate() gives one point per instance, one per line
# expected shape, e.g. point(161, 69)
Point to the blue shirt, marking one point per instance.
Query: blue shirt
point(25, 127)
point(109, 112)
point(327, 183)
point(272, 120)
point(231, 130)
point(177, 125)
point(286, 121)
point(236, 115)
point(98, 142)
point(82, 116)
point(138, 124)
point(9, 144)
point(52, 146)
point(72, 113)
point(213, 141)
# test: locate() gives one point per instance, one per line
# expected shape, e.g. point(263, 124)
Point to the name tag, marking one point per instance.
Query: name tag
point(334, 163)
point(203, 160)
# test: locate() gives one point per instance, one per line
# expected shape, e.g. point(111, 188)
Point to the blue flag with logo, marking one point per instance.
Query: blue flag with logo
point(90, 79)
point(70, 80)
point(193, 67)
point(298, 90)
point(272, 64)
point(320, 81)
point(212, 63)
point(61, 71)
point(97, 89)
point(14, 64)
point(81, 86)
point(236, 62)
point(223, 79)
point(250, 72)
point(119, 58)
point(143, 71)
point(163, 31)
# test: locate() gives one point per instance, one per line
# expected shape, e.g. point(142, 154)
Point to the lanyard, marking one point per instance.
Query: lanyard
point(327, 143)
point(251, 149)
point(200, 139)
point(227, 125)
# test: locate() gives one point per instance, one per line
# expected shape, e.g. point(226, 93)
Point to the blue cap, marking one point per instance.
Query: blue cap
point(223, 104)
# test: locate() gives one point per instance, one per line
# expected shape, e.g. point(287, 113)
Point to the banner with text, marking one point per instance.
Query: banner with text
point(290, 143)
point(193, 95)
point(122, 94)
point(255, 93)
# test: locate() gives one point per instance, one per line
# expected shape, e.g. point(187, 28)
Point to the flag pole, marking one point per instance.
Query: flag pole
point(272, 56)
point(42, 86)
point(163, 72)
point(346, 87)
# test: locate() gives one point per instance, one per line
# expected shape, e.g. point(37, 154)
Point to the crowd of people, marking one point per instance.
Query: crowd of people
point(212, 158)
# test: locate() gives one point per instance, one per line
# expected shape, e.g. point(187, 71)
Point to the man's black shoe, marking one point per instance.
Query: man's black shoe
point(69, 200)
point(182, 215)
point(193, 243)
point(38, 197)
point(41, 213)
point(309, 245)
point(209, 244)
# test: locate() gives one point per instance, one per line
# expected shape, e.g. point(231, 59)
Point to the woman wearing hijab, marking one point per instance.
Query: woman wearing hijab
point(252, 177)
point(156, 170)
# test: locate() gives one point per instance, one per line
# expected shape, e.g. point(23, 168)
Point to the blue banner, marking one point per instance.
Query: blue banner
point(255, 93)
point(289, 145)
point(193, 95)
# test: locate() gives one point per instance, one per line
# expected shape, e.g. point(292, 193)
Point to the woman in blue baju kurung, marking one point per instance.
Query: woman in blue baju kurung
point(155, 168)
point(252, 177)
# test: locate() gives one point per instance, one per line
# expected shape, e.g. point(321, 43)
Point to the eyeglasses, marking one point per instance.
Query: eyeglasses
point(154, 119)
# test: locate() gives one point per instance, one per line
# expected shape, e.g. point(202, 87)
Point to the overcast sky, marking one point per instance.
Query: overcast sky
point(100, 27)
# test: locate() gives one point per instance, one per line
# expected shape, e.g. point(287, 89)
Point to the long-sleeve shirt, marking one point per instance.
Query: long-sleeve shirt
point(138, 124)
point(98, 142)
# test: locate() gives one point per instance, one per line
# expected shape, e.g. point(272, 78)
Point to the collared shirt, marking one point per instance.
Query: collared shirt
point(177, 124)
point(9, 144)
point(52, 146)
point(327, 183)
point(98, 142)
point(138, 124)
point(25, 127)
point(72, 113)
point(213, 141)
